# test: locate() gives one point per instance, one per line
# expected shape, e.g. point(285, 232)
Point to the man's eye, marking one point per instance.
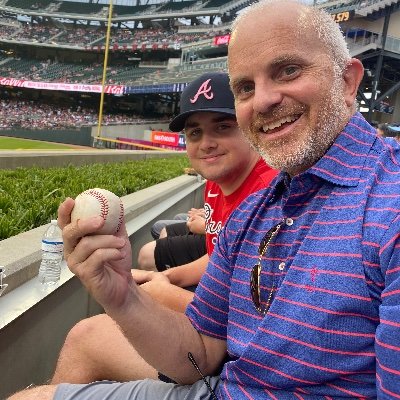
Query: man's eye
point(290, 71)
point(243, 90)
point(193, 134)
point(246, 88)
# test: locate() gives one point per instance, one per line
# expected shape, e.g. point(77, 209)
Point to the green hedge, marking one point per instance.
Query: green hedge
point(29, 197)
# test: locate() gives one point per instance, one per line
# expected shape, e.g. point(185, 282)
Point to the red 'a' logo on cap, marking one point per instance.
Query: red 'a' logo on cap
point(205, 90)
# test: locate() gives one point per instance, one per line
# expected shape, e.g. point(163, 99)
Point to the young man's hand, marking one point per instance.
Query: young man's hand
point(142, 276)
point(197, 224)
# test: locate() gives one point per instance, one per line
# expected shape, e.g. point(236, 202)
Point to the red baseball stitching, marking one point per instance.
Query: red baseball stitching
point(104, 208)
point(121, 215)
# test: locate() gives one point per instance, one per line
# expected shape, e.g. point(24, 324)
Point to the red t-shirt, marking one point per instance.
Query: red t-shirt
point(218, 207)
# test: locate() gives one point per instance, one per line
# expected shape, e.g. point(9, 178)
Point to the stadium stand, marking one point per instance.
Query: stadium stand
point(30, 115)
point(151, 59)
point(79, 35)
point(29, 4)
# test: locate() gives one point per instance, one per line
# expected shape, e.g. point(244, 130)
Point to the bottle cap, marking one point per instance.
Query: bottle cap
point(54, 221)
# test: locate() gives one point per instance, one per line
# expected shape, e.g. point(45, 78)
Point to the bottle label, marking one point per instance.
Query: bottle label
point(52, 246)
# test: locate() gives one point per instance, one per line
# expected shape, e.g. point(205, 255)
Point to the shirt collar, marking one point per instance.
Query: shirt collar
point(343, 162)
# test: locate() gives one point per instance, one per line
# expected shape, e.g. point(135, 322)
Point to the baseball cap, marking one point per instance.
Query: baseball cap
point(208, 93)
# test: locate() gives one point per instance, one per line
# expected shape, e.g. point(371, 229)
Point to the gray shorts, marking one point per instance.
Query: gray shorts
point(147, 389)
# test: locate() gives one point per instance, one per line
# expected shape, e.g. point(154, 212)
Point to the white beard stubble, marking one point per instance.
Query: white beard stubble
point(294, 155)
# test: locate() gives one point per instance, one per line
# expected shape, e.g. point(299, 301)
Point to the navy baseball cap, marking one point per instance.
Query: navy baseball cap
point(208, 93)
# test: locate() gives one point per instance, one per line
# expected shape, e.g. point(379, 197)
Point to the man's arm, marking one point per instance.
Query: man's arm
point(167, 287)
point(103, 264)
point(183, 276)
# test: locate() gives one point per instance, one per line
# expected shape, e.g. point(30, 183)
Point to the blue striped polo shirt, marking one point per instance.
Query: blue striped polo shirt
point(333, 329)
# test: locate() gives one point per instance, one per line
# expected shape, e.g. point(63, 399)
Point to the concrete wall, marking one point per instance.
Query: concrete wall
point(130, 131)
point(30, 344)
point(34, 322)
point(62, 158)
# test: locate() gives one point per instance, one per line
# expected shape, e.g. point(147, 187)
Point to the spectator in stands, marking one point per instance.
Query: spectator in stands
point(179, 243)
point(158, 229)
point(35, 115)
point(219, 152)
point(175, 243)
point(382, 130)
point(302, 288)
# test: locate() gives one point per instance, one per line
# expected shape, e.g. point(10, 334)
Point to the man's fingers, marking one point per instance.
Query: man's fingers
point(64, 212)
point(89, 245)
point(73, 232)
point(95, 264)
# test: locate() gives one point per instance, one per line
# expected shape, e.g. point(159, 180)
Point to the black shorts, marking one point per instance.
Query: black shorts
point(178, 229)
point(178, 250)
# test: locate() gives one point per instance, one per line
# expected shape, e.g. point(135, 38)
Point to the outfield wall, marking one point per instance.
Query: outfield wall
point(84, 136)
point(78, 137)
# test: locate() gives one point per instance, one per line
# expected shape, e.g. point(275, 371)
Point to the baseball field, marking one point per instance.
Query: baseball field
point(8, 143)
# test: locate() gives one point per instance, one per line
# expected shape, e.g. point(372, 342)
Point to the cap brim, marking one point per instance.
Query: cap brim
point(178, 123)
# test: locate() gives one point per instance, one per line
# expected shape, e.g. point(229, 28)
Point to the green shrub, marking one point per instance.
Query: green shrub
point(29, 197)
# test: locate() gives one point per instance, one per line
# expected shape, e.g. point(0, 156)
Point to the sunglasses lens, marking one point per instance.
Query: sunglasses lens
point(255, 285)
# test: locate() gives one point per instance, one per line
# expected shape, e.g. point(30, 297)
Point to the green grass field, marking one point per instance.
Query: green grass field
point(8, 143)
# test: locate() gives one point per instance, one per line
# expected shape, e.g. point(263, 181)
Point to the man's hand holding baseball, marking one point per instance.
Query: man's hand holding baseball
point(102, 262)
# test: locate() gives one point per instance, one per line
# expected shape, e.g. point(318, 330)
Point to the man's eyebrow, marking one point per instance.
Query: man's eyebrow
point(220, 118)
point(284, 59)
point(224, 117)
point(287, 59)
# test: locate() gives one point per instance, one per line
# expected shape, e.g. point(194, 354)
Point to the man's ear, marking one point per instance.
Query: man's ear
point(352, 77)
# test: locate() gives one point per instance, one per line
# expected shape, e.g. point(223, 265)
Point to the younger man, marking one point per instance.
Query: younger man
point(218, 151)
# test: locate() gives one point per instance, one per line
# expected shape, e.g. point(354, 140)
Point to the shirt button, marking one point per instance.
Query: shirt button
point(281, 266)
point(289, 221)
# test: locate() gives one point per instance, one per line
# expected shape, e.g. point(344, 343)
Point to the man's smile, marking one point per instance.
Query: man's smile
point(280, 123)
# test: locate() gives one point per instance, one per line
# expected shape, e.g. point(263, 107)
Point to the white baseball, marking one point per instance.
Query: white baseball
point(100, 202)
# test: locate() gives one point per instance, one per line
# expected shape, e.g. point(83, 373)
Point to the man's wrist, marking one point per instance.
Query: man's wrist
point(169, 273)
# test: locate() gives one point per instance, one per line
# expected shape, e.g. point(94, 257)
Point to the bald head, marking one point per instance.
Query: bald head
point(293, 80)
point(304, 22)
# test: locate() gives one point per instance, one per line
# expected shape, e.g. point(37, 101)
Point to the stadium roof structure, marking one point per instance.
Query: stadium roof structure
point(134, 11)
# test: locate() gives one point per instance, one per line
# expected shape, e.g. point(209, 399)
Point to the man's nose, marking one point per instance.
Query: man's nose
point(208, 141)
point(266, 95)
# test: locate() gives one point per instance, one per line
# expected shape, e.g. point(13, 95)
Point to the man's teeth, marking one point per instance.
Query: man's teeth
point(279, 123)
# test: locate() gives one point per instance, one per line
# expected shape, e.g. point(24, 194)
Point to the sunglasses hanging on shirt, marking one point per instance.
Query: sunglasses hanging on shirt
point(256, 273)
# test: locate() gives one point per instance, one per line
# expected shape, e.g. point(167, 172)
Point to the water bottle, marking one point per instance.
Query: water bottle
point(52, 255)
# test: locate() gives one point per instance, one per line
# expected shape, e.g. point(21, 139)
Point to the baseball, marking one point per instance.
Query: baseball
point(101, 202)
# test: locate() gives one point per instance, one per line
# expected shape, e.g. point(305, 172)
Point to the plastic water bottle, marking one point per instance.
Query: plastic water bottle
point(52, 255)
